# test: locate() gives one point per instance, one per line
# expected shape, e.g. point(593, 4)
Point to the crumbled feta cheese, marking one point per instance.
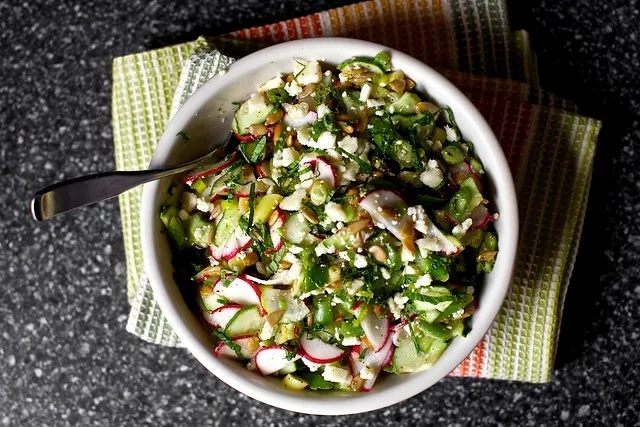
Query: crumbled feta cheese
point(321, 249)
point(306, 72)
point(344, 255)
point(350, 172)
point(378, 113)
point(367, 373)
point(393, 308)
point(323, 110)
point(386, 275)
point(203, 206)
point(359, 261)
point(349, 144)
point(267, 331)
point(311, 365)
point(461, 229)
point(349, 341)
point(405, 254)
point(396, 304)
point(374, 103)
point(335, 212)
point(409, 270)
point(293, 202)
point(452, 135)
point(336, 374)
point(432, 176)
point(365, 92)
point(287, 156)
point(292, 88)
point(424, 280)
point(326, 140)
point(274, 83)
point(296, 112)
point(434, 239)
point(295, 249)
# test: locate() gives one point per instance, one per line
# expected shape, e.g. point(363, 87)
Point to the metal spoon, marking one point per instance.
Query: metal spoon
point(86, 190)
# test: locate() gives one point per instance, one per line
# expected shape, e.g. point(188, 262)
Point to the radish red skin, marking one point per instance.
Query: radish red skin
point(215, 170)
point(306, 345)
point(234, 307)
point(260, 366)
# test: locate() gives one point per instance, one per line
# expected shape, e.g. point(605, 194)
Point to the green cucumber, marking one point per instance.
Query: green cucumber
point(255, 110)
point(228, 223)
point(465, 200)
point(296, 229)
point(246, 321)
point(200, 231)
point(406, 105)
point(361, 62)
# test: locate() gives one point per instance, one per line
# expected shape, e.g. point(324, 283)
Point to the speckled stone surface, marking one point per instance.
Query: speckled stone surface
point(65, 358)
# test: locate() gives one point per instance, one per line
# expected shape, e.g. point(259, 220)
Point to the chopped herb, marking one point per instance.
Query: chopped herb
point(221, 336)
point(272, 267)
point(364, 166)
point(304, 67)
point(185, 137)
point(277, 96)
point(252, 196)
point(258, 151)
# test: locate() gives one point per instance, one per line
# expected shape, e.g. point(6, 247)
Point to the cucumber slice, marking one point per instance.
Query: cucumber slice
point(406, 104)
point(247, 321)
point(407, 359)
point(267, 204)
point(254, 110)
point(200, 231)
point(428, 311)
point(294, 382)
point(361, 62)
point(228, 223)
point(210, 300)
point(296, 229)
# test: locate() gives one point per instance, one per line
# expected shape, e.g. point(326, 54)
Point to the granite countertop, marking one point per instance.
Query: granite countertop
point(65, 358)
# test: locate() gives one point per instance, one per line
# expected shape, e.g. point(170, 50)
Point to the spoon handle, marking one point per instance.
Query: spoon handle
point(86, 190)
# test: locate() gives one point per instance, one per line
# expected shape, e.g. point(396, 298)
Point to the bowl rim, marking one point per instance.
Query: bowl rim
point(334, 403)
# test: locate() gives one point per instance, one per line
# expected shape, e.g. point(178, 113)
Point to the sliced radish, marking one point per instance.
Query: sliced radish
point(322, 170)
point(271, 359)
point(276, 238)
point(376, 329)
point(374, 360)
point(319, 351)
point(237, 242)
point(219, 317)
point(245, 190)
point(460, 171)
point(399, 333)
point(262, 169)
point(388, 208)
point(245, 138)
point(480, 216)
point(298, 122)
point(219, 167)
point(245, 342)
point(223, 192)
point(240, 291)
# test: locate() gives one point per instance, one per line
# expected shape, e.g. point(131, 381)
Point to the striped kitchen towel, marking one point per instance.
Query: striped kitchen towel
point(547, 143)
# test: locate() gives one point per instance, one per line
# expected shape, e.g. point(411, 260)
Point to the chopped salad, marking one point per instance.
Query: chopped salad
point(345, 234)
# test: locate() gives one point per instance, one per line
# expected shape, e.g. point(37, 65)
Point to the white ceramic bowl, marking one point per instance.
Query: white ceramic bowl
point(202, 117)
